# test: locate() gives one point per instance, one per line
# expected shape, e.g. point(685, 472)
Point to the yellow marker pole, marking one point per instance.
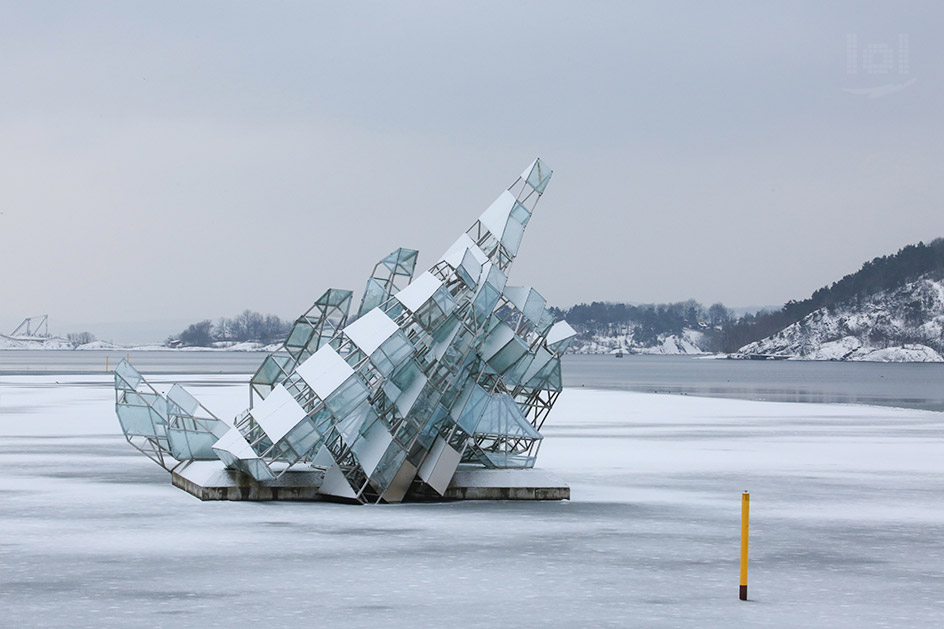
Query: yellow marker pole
point(745, 517)
point(106, 362)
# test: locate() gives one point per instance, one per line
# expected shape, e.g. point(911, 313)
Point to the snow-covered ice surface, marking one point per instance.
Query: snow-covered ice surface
point(846, 529)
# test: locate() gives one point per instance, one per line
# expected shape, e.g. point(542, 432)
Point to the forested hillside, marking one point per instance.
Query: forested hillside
point(881, 274)
point(681, 327)
point(688, 326)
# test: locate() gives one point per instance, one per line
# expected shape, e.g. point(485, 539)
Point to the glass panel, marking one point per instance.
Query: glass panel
point(534, 306)
point(187, 445)
point(496, 278)
point(183, 400)
point(381, 363)
point(127, 378)
point(508, 355)
point(335, 298)
point(520, 214)
point(407, 261)
point(548, 378)
point(256, 469)
point(388, 467)
point(271, 372)
point(139, 421)
point(374, 295)
point(471, 267)
point(425, 440)
point(465, 277)
point(473, 409)
point(406, 375)
point(444, 300)
point(561, 346)
point(226, 457)
point(303, 437)
point(545, 322)
point(502, 417)
point(300, 335)
point(371, 446)
point(484, 303)
point(511, 239)
point(349, 394)
point(539, 176)
point(515, 375)
point(397, 348)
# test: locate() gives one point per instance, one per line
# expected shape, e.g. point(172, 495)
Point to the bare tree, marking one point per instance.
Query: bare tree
point(80, 338)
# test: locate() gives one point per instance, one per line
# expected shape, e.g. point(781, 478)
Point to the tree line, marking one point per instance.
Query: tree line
point(248, 326)
point(723, 331)
point(727, 333)
point(649, 320)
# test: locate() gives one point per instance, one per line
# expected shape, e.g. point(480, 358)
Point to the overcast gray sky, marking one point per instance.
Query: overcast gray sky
point(177, 161)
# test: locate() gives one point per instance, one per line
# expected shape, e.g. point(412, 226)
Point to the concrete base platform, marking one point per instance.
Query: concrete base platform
point(481, 484)
point(209, 480)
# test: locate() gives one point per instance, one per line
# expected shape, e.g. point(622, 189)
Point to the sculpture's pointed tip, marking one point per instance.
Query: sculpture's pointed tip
point(537, 174)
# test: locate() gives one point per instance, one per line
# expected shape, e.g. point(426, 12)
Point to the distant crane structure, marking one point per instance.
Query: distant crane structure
point(35, 326)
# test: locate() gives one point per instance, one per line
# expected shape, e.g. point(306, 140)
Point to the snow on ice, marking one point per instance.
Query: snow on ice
point(847, 519)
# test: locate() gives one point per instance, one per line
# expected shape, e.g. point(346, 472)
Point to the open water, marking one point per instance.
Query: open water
point(907, 385)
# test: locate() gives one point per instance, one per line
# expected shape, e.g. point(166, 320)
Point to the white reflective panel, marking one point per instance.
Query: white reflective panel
point(420, 290)
point(235, 444)
point(560, 331)
point(324, 371)
point(371, 330)
point(323, 458)
point(456, 252)
point(334, 484)
point(278, 413)
point(439, 466)
point(496, 216)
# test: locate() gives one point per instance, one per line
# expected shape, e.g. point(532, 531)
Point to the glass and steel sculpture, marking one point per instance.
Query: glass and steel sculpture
point(451, 367)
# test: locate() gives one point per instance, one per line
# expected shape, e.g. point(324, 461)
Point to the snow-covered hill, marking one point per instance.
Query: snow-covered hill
point(901, 325)
point(33, 342)
point(689, 342)
point(56, 342)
